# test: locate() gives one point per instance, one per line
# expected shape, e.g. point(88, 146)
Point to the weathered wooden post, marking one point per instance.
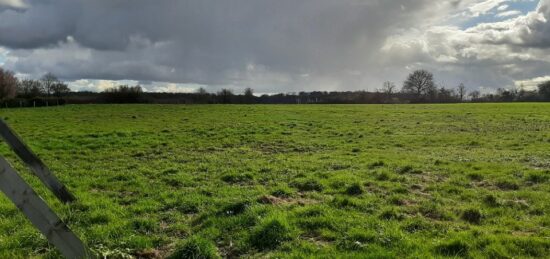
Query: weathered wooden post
point(38, 212)
point(35, 164)
point(34, 207)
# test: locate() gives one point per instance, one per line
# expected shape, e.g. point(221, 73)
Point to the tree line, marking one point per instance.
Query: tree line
point(46, 91)
point(419, 87)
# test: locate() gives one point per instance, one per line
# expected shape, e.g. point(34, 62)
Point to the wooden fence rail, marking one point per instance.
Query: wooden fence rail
point(34, 207)
point(35, 164)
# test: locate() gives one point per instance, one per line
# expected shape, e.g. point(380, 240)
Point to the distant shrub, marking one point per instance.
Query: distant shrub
point(308, 185)
point(123, 94)
point(195, 248)
point(454, 248)
point(354, 189)
point(472, 216)
point(269, 234)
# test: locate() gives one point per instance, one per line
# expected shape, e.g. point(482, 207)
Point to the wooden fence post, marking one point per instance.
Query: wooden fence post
point(35, 164)
point(38, 212)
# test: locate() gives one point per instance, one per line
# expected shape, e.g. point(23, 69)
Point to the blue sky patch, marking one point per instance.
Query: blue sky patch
point(524, 7)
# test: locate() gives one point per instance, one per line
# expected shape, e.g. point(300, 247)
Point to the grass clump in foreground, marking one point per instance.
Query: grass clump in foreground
point(320, 181)
point(472, 216)
point(455, 248)
point(195, 248)
point(270, 233)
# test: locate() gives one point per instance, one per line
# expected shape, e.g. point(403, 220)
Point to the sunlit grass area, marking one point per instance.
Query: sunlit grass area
point(291, 181)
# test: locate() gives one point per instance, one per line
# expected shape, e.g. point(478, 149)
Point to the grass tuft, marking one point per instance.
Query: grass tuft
point(354, 190)
point(270, 234)
point(377, 164)
point(491, 201)
point(507, 185)
point(308, 185)
point(408, 170)
point(472, 216)
point(195, 248)
point(237, 178)
point(454, 248)
point(538, 177)
point(235, 208)
point(391, 214)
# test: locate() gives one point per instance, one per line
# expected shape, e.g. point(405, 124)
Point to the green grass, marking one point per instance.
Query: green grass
point(467, 180)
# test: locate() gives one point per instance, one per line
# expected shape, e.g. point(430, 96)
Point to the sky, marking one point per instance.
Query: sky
point(277, 46)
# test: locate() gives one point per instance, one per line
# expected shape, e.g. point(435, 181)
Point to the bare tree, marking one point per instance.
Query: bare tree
point(29, 88)
point(201, 91)
point(461, 91)
point(544, 90)
point(123, 94)
point(249, 95)
point(248, 92)
point(59, 89)
point(389, 88)
point(419, 83)
point(225, 95)
point(8, 84)
point(475, 95)
point(48, 81)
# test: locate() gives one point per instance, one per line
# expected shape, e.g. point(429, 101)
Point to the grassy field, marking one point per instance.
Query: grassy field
point(467, 180)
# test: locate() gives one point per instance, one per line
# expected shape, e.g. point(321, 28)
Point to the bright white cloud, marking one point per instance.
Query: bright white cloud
point(13, 4)
point(102, 85)
point(531, 84)
point(485, 6)
point(509, 13)
point(489, 54)
point(3, 54)
point(503, 7)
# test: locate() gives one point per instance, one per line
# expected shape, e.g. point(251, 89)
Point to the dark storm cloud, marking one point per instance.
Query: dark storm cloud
point(271, 45)
point(204, 41)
